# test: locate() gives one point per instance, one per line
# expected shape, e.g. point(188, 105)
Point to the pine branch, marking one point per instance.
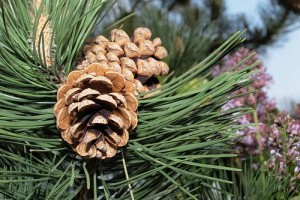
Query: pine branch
point(179, 140)
point(174, 157)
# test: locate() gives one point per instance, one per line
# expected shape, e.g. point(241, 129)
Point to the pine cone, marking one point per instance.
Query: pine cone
point(96, 110)
point(138, 59)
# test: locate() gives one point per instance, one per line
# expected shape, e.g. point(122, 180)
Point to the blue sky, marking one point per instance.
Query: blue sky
point(282, 60)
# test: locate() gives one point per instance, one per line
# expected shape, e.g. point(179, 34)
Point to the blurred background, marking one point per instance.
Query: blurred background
point(282, 59)
point(191, 29)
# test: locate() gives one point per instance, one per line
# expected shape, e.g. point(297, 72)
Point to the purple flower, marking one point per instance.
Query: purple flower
point(295, 129)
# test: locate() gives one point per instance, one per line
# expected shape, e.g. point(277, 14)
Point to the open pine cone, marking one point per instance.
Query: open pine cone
point(95, 110)
point(138, 59)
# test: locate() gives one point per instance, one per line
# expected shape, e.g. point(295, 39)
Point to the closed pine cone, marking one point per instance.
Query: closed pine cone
point(138, 59)
point(95, 111)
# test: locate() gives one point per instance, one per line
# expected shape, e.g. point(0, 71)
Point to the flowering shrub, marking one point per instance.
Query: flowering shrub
point(269, 134)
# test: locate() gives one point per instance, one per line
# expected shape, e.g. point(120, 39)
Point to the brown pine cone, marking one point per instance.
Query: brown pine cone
point(95, 110)
point(138, 59)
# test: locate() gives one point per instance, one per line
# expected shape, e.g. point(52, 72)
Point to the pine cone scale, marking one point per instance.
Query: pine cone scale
point(98, 120)
point(63, 118)
point(101, 84)
point(123, 138)
point(62, 90)
point(87, 92)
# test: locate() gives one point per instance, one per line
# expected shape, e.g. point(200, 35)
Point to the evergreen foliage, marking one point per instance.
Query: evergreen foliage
point(182, 137)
